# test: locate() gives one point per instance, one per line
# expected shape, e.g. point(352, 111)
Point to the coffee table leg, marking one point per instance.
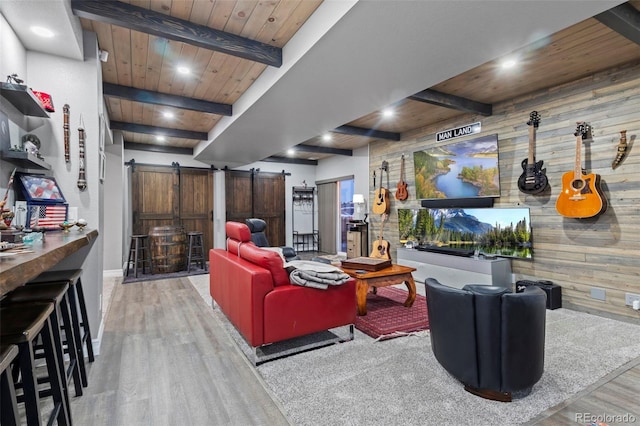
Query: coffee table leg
point(411, 286)
point(361, 296)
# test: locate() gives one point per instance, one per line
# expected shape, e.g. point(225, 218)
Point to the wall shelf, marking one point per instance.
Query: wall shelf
point(23, 99)
point(24, 160)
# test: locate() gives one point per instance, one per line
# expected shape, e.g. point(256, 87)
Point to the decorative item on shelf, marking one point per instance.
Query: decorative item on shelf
point(81, 223)
point(82, 180)
point(31, 144)
point(622, 150)
point(66, 226)
point(45, 99)
point(13, 78)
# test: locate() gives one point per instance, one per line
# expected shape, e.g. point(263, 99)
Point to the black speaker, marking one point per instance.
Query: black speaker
point(445, 203)
point(553, 291)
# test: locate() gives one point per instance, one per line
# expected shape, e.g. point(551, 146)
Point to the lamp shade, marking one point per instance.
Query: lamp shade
point(358, 198)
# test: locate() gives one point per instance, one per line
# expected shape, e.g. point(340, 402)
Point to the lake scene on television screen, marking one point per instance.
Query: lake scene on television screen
point(493, 231)
point(458, 170)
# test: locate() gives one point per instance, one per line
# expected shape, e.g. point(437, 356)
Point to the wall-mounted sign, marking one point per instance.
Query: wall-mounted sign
point(465, 130)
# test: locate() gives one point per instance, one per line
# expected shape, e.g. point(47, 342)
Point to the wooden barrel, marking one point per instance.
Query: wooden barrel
point(168, 249)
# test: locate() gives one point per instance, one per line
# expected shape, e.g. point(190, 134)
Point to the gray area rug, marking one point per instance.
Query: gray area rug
point(398, 381)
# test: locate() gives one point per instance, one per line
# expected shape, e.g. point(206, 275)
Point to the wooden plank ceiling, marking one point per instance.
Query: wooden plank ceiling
point(146, 59)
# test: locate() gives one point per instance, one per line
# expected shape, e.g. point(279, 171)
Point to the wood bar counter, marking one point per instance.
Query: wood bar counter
point(17, 270)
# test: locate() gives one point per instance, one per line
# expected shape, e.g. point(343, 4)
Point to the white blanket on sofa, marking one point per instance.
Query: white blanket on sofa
point(315, 274)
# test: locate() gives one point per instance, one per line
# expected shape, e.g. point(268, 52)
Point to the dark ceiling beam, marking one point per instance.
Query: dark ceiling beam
point(451, 101)
point(160, 131)
point(323, 150)
point(161, 25)
point(371, 133)
point(288, 160)
point(157, 98)
point(158, 148)
point(623, 19)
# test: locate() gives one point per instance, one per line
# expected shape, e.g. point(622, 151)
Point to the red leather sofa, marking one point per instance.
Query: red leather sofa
point(252, 288)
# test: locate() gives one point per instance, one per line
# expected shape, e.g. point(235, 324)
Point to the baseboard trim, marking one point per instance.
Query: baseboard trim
point(110, 273)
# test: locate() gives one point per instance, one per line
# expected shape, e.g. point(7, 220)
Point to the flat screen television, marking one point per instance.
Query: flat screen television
point(504, 232)
point(462, 169)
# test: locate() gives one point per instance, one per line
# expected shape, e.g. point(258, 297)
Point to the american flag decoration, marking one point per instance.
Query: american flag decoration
point(48, 217)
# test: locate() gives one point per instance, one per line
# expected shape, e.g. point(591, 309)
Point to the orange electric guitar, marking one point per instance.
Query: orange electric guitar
point(381, 198)
point(581, 196)
point(401, 192)
point(380, 248)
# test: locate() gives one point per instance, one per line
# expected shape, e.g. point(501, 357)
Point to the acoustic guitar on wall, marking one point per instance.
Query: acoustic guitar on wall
point(533, 179)
point(581, 196)
point(380, 247)
point(401, 191)
point(381, 198)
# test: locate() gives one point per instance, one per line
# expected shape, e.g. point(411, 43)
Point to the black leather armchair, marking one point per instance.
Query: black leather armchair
point(489, 338)
point(259, 238)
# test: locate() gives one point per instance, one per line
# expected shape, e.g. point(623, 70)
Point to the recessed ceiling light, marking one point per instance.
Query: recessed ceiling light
point(42, 31)
point(509, 63)
point(168, 114)
point(184, 70)
point(388, 112)
point(291, 151)
point(326, 137)
point(160, 138)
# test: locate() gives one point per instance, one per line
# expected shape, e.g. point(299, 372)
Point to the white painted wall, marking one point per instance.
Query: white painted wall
point(77, 83)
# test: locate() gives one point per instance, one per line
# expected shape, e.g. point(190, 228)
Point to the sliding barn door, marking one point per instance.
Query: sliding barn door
point(257, 194)
point(155, 196)
point(172, 196)
point(196, 203)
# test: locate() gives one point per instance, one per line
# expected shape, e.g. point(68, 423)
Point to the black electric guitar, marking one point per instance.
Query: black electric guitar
point(533, 179)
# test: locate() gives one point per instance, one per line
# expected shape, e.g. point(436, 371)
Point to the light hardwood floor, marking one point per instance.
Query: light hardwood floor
point(164, 360)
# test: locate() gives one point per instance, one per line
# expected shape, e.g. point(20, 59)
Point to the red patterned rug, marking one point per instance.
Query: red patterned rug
point(388, 318)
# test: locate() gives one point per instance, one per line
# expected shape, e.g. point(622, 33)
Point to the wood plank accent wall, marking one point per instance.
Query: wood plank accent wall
point(577, 254)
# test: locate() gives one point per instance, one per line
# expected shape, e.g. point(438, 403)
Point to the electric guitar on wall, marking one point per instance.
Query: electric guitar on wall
point(533, 179)
point(380, 247)
point(401, 191)
point(581, 196)
point(381, 198)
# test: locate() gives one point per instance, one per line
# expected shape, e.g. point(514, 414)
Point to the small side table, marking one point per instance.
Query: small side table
point(395, 274)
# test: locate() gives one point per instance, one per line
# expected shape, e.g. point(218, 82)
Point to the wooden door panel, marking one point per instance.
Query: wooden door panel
point(257, 194)
point(154, 198)
point(238, 194)
point(269, 205)
point(196, 203)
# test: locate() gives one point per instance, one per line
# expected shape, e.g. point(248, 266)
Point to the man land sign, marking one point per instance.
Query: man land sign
point(468, 129)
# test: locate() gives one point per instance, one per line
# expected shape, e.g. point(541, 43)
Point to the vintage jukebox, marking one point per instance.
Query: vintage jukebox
point(46, 207)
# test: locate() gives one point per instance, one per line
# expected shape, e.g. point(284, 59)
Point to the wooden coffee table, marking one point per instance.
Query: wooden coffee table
point(395, 274)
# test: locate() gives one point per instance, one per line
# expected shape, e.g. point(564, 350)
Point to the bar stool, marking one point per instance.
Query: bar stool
point(138, 254)
point(56, 293)
point(196, 251)
point(9, 409)
point(21, 325)
point(80, 320)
